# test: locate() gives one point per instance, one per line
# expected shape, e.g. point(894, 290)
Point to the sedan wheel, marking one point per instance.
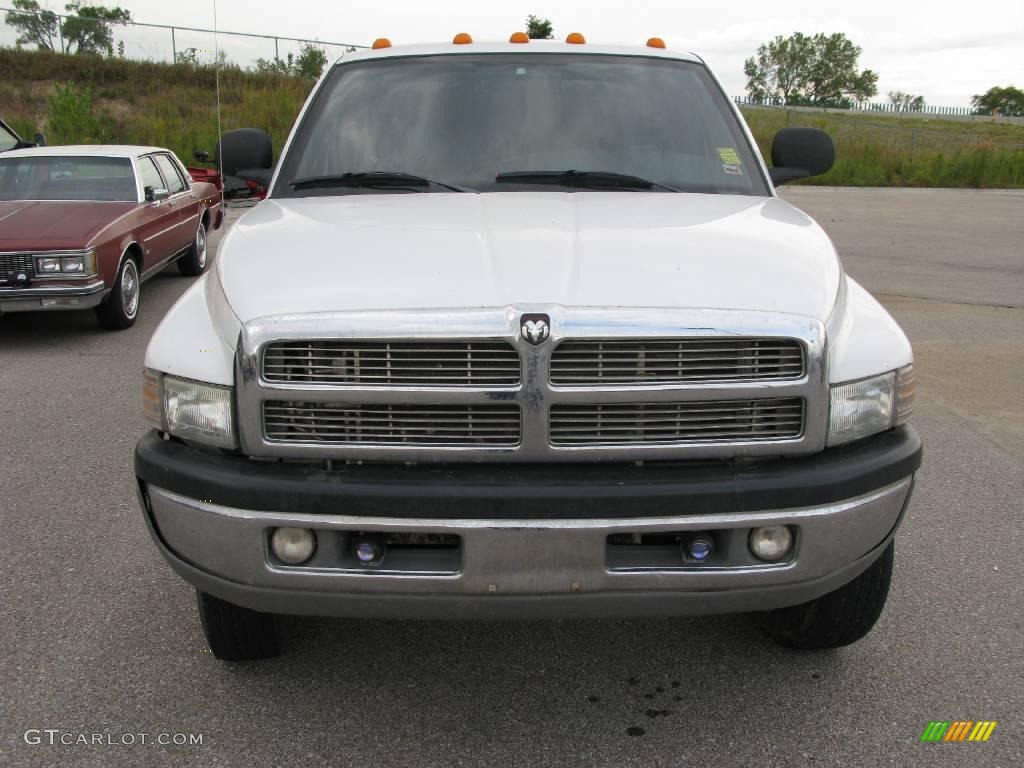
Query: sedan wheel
point(194, 262)
point(121, 307)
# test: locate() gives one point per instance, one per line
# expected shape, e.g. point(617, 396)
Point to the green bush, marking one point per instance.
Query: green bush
point(69, 118)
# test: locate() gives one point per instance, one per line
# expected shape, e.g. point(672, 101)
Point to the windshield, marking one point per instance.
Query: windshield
point(67, 178)
point(518, 122)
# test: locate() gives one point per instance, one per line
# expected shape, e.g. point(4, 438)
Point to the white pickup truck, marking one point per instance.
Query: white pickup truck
point(523, 330)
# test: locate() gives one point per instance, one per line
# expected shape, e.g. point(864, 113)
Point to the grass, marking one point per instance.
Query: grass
point(174, 105)
point(132, 102)
point(876, 151)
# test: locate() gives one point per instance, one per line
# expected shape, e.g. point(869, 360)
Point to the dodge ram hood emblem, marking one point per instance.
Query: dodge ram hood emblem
point(535, 328)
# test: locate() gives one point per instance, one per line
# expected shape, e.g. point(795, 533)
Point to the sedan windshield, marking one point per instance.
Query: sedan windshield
point(50, 177)
point(522, 122)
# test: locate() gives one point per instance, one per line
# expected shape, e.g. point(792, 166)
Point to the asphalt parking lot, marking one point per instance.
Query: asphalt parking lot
point(97, 635)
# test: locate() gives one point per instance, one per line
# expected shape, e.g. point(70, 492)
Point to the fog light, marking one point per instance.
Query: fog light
point(369, 552)
point(293, 546)
point(698, 548)
point(771, 543)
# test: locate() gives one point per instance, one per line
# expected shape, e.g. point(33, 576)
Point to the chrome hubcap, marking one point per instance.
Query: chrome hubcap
point(201, 246)
point(130, 288)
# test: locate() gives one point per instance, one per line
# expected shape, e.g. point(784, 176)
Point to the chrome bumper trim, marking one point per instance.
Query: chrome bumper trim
point(525, 559)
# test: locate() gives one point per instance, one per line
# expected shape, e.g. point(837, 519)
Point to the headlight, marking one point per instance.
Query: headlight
point(866, 407)
point(80, 264)
point(189, 409)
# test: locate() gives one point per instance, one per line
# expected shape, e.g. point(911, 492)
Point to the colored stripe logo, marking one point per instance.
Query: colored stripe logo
point(958, 730)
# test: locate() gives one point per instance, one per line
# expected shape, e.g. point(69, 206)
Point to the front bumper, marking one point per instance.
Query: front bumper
point(41, 297)
point(534, 541)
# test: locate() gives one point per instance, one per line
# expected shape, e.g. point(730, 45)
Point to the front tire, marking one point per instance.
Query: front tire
point(119, 310)
point(838, 618)
point(193, 263)
point(236, 633)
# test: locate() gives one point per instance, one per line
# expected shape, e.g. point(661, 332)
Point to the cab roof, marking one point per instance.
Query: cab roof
point(534, 46)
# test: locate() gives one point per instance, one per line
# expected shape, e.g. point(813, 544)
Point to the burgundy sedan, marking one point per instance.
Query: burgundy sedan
point(84, 226)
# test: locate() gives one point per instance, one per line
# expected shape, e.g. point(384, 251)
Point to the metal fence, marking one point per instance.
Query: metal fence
point(163, 42)
point(873, 107)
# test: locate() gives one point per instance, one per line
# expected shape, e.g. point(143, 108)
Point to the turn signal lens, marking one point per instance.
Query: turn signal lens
point(151, 405)
point(519, 37)
point(905, 388)
point(381, 42)
point(463, 38)
point(575, 38)
point(655, 42)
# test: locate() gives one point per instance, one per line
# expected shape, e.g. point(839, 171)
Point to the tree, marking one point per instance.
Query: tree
point(906, 102)
point(310, 62)
point(1003, 100)
point(818, 70)
point(539, 29)
point(90, 27)
point(33, 25)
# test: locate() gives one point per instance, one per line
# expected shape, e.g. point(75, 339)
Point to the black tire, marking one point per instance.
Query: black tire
point(193, 263)
point(236, 633)
point(839, 618)
point(121, 306)
point(244, 148)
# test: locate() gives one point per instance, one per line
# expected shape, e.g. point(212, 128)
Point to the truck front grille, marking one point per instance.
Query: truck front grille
point(393, 363)
point(16, 262)
point(595, 362)
point(443, 425)
point(679, 422)
point(607, 384)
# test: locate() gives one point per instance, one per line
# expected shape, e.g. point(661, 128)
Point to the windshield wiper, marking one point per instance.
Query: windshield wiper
point(373, 180)
point(582, 179)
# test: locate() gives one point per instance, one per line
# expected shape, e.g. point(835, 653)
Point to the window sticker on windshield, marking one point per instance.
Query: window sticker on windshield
point(731, 162)
point(729, 156)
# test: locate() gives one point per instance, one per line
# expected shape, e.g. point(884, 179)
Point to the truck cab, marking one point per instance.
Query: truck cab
point(523, 330)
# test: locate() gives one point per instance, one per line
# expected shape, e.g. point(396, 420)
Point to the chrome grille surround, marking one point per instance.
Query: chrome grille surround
point(597, 362)
point(534, 395)
point(392, 363)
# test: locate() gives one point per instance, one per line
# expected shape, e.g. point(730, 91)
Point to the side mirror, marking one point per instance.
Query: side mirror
point(798, 153)
point(201, 155)
point(155, 194)
point(39, 140)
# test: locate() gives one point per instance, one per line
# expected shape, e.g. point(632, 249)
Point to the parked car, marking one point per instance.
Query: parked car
point(84, 226)
point(524, 330)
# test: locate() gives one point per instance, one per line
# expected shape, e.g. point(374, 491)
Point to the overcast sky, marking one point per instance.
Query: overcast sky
point(941, 50)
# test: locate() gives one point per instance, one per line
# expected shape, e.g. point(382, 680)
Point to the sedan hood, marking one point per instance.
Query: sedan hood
point(600, 249)
point(46, 225)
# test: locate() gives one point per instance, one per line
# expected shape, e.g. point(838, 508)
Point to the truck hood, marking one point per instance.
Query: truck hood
point(599, 249)
point(55, 224)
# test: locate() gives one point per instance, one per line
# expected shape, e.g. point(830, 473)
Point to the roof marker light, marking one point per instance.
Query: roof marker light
point(575, 38)
point(519, 37)
point(655, 42)
point(463, 38)
point(381, 42)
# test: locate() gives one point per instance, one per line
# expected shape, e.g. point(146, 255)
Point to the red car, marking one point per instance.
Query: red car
point(84, 226)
